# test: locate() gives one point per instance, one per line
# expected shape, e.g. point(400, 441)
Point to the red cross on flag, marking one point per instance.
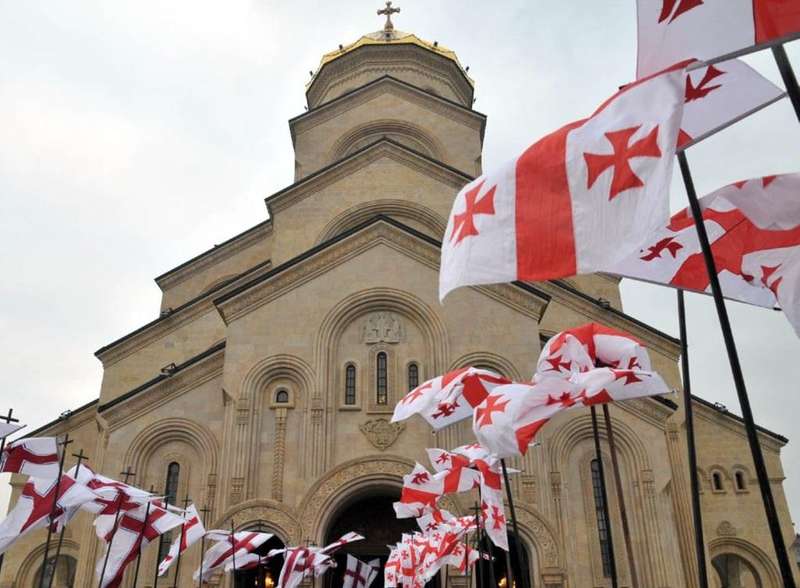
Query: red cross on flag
point(358, 574)
point(754, 229)
point(228, 547)
point(710, 30)
point(421, 489)
point(576, 200)
point(33, 508)
point(191, 531)
point(34, 456)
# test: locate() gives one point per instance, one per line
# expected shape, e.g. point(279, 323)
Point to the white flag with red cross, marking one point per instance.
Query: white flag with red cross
point(754, 230)
point(227, 547)
point(191, 532)
point(710, 30)
point(35, 504)
point(575, 201)
point(299, 563)
point(421, 489)
point(358, 574)
point(134, 531)
point(34, 456)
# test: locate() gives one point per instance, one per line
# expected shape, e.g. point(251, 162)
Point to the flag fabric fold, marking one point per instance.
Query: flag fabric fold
point(228, 547)
point(358, 574)
point(33, 456)
point(190, 532)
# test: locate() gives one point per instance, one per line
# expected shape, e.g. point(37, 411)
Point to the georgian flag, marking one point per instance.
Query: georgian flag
point(34, 456)
point(228, 547)
point(421, 489)
point(754, 230)
point(358, 574)
point(710, 30)
point(35, 504)
point(192, 530)
point(300, 562)
point(575, 201)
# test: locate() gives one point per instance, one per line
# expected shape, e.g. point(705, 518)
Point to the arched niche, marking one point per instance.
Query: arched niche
point(754, 565)
point(405, 133)
point(29, 573)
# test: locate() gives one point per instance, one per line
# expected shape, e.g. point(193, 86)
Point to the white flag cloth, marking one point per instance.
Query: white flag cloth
point(421, 489)
point(35, 503)
point(302, 562)
point(358, 574)
point(754, 230)
point(191, 532)
point(33, 456)
point(576, 200)
point(135, 530)
point(7, 429)
point(673, 30)
point(345, 539)
point(228, 547)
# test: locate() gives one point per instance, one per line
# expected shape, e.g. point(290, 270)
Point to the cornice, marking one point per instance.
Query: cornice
point(68, 422)
point(326, 176)
point(214, 255)
point(733, 423)
point(447, 108)
point(340, 249)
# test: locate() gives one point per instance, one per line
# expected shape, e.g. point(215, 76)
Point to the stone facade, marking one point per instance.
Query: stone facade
point(244, 378)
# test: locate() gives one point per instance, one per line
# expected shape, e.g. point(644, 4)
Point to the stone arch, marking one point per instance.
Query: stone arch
point(403, 132)
point(284, 365)
point(541, 538)
point(279, 518)
point(399, 209)
point(216, 283)
point(33, 561)
point(493, 360)
point(752, 554)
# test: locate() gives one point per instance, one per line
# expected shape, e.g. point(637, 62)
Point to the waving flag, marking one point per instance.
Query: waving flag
point(191, 531)
point(421, 489)
point(754, 229)
point(710, 30)
point(34, 456)
point(228, 546)
point(576, 200)
point(358, 574)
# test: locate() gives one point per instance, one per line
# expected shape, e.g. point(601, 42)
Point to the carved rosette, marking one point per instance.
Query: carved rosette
point(381, 433)
point(726, 529)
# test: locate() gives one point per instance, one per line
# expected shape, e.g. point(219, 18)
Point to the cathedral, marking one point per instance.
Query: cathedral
point(263, 389)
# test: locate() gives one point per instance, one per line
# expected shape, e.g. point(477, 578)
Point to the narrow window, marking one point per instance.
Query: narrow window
point(350, 384)
point(170, 497)
point(602, 522)
point(382, 396)
point(282, 397)
point(413, 376)
point(716, 481)
point(739, 477)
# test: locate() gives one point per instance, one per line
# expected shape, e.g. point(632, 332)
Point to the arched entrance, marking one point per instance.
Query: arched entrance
point(267, 575)
point(62, 571)
point(499, 565)
point(735, 572)
point(370, 514)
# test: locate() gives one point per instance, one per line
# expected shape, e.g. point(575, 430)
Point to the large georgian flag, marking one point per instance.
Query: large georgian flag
point(754, 229)
point(673, 30)
point(358, 574)
point(576, 200)
point(228, 546)
point(34, 456)
point(191, 531)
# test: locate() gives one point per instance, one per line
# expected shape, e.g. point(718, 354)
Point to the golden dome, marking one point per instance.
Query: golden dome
point(390, 37)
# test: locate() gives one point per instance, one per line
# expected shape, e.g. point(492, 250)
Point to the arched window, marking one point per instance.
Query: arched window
point(739, 480)
point(281, 396)
point(381, 381)
point(413, 376)
point(602, 522)
point(350, 384)
point(716, 482)
point(170, 497)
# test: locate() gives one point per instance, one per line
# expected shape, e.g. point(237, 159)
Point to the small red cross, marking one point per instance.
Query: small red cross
point(624, 178)
point(493, 404)
point(15, 457)
point(464, 222)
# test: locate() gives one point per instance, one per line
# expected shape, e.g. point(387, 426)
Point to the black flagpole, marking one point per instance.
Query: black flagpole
point(527, 581)
point(738, 379)
point(53, 508)
point(141, 538)
point(204, 511)
point(127, 475)
point(8, 419)
point(186, 502)
point(487, 544)
point(789, 79)
point(623, 513)
point(478, 541)
point(80, 455)
point(604, 495)
point(233, 549)
point(697, 515)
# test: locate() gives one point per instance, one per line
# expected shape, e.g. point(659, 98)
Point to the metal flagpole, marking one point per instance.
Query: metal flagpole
point(478, 535)
point(623, 513)
point(789, 79)
point(80, 455)
point(186, 502)
point(487, 544)
point(127, 475)
point(738, 378)
point(9, 419)
point(233, 550)
point(604, 495)
point(697, 515)
point(527, 581)
point(141, 537)
point(204, 511)
point(53, 508)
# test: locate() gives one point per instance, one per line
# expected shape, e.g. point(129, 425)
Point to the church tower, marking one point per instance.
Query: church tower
point(264, 388)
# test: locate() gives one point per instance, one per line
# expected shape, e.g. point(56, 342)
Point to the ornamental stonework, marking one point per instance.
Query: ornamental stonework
point(381, 433)
point(382, 327)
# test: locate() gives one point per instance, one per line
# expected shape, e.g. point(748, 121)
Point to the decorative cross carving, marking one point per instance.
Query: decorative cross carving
point(388, 11)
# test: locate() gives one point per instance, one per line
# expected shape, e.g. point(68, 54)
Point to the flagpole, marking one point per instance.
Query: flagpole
point(233, 550)
point(9, 419)
point(527, 580)
point(80, 457)
point(186, 502)
point(787, 73)
point(53, 508)
point(604, 495)
point(738, 379)
point(623, 513)
point(478, 537)
point(202, 555)
point(697, 515)
point(141, 536)
point(127, 475)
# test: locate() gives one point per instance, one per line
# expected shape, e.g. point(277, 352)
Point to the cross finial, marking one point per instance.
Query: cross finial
point(127, 474)
point(9, 418)
point(388, 11)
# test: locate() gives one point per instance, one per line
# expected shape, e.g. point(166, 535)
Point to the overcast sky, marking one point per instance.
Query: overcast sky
point(135, 135)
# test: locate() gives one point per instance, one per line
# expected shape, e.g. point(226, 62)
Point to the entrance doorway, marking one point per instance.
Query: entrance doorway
point(266, 576)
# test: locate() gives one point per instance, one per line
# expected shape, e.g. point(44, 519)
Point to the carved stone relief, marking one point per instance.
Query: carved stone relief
point(381, 433)
point(726, 529)
point(382, 327)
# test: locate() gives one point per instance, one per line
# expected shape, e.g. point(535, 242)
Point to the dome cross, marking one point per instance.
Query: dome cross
point(388, 11)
